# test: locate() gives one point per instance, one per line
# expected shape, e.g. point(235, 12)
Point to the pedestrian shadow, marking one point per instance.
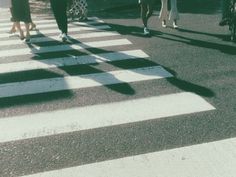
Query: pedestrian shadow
point(128, 64)
point(220, 36)
point(131, 30)
point(175, 81)
point(188, 86)
point(228, 49)
point(224, 37)
point(81, 70)
point(136, 31)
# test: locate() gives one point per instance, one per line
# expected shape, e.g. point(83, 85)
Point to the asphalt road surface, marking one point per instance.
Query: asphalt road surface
point(114, 102)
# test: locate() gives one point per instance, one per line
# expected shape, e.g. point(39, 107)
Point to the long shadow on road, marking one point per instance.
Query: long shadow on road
point(137, 31)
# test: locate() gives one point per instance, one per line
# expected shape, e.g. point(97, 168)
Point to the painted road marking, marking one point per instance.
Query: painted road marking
point(65, 47)
point(16, 41)
point(97, 116)
point(72, 29)
point(70, 61)
point(82, 81)
point(214, 159)
point(52, 23)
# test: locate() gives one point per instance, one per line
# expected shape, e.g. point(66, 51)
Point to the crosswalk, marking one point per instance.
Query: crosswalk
point(94, 43)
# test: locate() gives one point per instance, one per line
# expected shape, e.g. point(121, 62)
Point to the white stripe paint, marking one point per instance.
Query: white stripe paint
point(16, 41)
point(69, 61)
point(72, 29)
point(98, 116)
point(53, 24)
point(65, 47)
point(8, 23)
point(82, 81)
point(214, 159)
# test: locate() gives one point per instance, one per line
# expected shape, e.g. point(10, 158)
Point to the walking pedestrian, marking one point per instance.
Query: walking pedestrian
point(165, 15)
point(59, 8)
point(225, 4)
point(79, 9)
point(32, 25)
point(146, 13)
point(21, 13)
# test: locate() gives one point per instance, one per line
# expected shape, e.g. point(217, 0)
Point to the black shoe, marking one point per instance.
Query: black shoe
point(224, 22)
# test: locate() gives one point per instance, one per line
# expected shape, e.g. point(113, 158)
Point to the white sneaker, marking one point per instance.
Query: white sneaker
point(64, 37)
point(175, 24)
point(163, 24)
point(146, 31)
point(60, 35)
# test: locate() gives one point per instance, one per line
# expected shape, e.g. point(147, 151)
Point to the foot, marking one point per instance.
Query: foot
point(64, 37)
point(224, 22)
point(32, 27)
point(27, 39)
point(175, 24)
point(12, 31)
point(163, 23)
point(146, 31)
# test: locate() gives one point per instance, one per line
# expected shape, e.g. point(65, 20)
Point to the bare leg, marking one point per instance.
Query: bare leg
point(27, 27)
point(164, 12)
point(20, 30)
point(13, 28)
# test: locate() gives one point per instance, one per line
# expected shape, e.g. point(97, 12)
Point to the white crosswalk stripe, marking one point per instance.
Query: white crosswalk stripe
point(93, 20)
point(77, 46)
point(73, 29)
point(55, 38)
point(82, 81)
point(70, 61)
point(52, 123)
point(37, 125)
point(182, 162)
point(52, 24)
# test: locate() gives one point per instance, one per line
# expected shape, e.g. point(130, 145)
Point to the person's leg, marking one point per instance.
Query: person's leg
point(27, 28)
point(17, 24)
point(83, 8)
point(59, 10)
point(174, 14)
point(164, 12)
point(144, 16)
point(13, 28)
point(225, 12)
point(144, 10)
point(150, 11)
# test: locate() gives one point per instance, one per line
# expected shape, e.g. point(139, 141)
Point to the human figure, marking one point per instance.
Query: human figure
point(165, 15)
point(59, 8)
point(31, 27)
point(21, 12)
point(146, 13)
point(78, 8)
point(225, 4)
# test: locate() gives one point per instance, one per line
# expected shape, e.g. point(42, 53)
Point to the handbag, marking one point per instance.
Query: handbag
point(5, 3)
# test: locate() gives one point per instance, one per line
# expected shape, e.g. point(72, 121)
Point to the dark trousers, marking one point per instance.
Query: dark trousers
point(59, 8)
point(225, 8)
